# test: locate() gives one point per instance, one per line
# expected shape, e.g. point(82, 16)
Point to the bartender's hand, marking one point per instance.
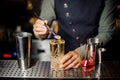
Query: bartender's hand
point(40, 29)
point(71, 60)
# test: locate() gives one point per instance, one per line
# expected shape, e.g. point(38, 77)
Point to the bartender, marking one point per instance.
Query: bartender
point(77, 21)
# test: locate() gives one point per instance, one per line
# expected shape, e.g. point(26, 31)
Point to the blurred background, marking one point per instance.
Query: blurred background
point(15, 16)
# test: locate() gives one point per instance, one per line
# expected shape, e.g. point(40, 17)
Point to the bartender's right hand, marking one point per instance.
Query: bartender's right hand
point(39, 28)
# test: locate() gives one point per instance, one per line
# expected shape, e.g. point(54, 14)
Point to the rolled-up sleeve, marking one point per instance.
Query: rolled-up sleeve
point(47, 10)
point(106, 25)
point(107, 22)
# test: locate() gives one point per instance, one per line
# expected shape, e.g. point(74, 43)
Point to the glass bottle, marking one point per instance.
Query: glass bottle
point(87, 64)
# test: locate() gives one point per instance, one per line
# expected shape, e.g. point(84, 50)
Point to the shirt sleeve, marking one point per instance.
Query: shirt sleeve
point(106, 25)
point(47, 10)
point(107, 22)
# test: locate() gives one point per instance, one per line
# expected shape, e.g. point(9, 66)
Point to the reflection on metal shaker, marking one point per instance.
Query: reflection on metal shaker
point(93, 54)
point(23, 46)
point(98, 48)
point(97, 44)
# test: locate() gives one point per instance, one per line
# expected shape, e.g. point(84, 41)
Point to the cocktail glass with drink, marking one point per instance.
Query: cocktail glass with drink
point(57, 52)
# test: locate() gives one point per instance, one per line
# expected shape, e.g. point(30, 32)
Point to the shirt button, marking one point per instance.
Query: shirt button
point(73, 30)
point(65, 5)
point(77, 38)
point(70, 23)
point(81, 44)
point(67, 14)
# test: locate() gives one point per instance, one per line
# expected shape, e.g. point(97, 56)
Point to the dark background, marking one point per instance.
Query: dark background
point(16, 12)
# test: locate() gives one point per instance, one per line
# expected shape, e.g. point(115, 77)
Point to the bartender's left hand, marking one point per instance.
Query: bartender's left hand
point(71, 60)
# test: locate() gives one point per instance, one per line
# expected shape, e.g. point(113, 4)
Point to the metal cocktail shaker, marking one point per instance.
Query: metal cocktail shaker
point(23, 46)
point(97, 46)
point(92, 56)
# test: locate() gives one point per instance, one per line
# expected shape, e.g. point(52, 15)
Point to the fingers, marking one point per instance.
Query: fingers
point(67, 61)
point(42, 22)
point(77, 65)
point(73, 63)
point(66, 57)
point(39, 28)
point(46, 22)
point(70, 60)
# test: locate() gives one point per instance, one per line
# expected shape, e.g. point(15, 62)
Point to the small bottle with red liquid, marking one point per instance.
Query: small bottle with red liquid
point(87, 64)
